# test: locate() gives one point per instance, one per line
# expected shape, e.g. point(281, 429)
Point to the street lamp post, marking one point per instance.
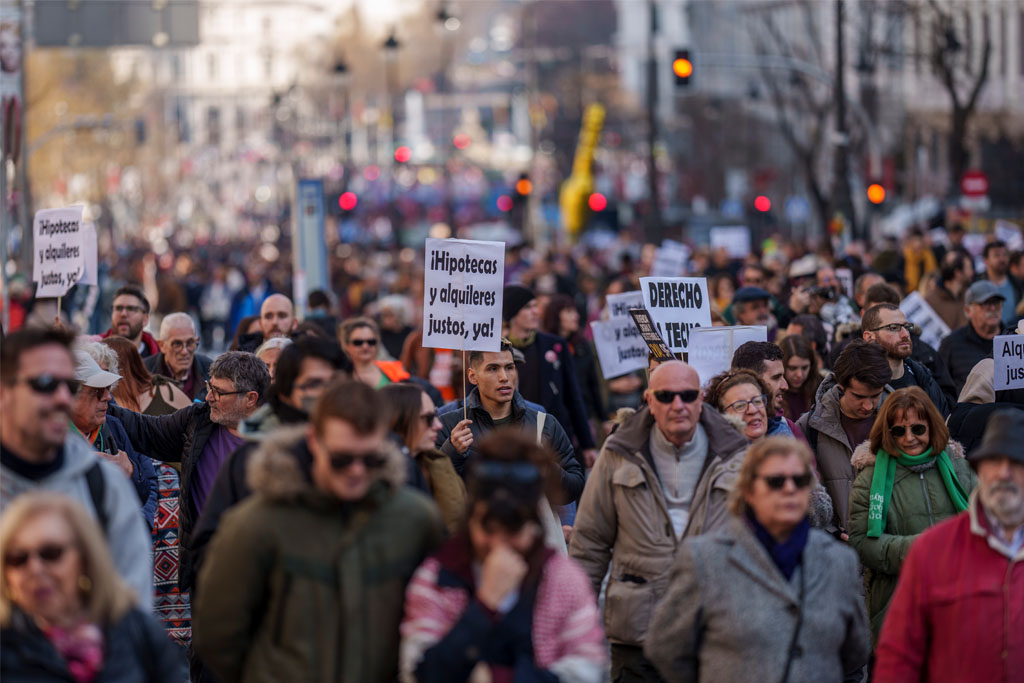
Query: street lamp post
point(446, 25)
point(390, 47)
point(341, 79)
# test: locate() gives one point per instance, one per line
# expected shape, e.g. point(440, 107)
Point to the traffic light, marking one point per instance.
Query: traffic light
point(682, 68)
point(763, 204)
point(403, 154)
point(876, 193)
point(520, 197)
point(348, 201)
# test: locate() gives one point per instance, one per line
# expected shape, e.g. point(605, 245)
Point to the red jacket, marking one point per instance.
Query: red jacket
point(958, 611)
point(148, 342)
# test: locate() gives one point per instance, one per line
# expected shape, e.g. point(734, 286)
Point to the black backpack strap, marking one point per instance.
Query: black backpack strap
point(97, 487)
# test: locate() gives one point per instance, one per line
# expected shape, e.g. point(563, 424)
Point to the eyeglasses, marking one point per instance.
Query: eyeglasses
point(48, 384)
point(129, 309)
point(741, 406)
point(178, 344)
point(217, 393)
point(428, 418)
point(990, 305)
point(899, 431)
point(776, 482)
point(49, 553)
point(95, 392)
point(361, 342)
point(342, 460)
point(667, 396)
point(894, 328)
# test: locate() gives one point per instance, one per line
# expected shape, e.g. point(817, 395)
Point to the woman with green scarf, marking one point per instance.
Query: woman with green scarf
point(910, 477)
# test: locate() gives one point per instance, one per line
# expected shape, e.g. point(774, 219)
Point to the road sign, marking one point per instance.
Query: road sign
point(974, 183)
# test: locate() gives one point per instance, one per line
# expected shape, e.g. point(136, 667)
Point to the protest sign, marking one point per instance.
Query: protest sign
point(845, 277)
point(57, 255)
point(670, 259)
point(90, 269)
point(620, 348)
point(1010, 234)
point(735, 239)
point(619, 304)
point(677, 305)
point(1008, 366)
point(712, 348)
point(933, 328)
point(462, 294)
point(649, 333)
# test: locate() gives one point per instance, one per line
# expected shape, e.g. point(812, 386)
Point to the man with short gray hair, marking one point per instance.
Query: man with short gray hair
point(178, 359)
point(201, 436)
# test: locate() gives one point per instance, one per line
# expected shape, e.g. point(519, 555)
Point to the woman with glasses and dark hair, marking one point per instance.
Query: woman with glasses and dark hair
point(360, 338)
point(910, 477)
point(414, 421)
point(66, 614)
point(495, 601)
point(767, 598)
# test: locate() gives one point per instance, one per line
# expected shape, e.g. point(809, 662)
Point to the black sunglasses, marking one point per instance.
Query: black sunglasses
point(361, 342)
point(666, 396)
point(342, 460)
point(899, 431)
point(428, 418)
point(776, 482)
point(49, 553)
point(48, 384)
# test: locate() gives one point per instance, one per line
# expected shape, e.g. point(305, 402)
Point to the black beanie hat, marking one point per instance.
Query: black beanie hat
point(515, 299)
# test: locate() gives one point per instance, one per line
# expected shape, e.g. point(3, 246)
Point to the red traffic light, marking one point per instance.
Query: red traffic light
point(461, 141)
point(876, 193)
point(504, 203)
point(763, 204)
point(403, 154)
point(597, 202)
point(347, 201)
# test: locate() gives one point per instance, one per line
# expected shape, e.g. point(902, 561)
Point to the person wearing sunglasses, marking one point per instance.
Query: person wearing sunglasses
point(495, 597)
point(178, 358)
point(910, 477)
point(104, 432)
point(306, 580)
point(415, 422)
point(360, 339)
point(37, 452)
point(129, 317)
point(663, 476)
point(65, 613)
point(886, 325)
point(768, 597)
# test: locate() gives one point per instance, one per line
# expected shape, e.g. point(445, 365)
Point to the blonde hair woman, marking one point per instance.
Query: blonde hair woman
point(64, 611)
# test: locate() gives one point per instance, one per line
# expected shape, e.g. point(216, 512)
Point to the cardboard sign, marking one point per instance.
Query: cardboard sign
point(57, 255)
point(735, 239)
point(620, 348)
point(677, 305)
point(90, 272)
point(933, 328)
point(462, 294)
point(649, 333)
point(845, 277)
point(1008, 365)
point(619, 305)
point(670, 259)
point(1010, 234)
point(712, 348)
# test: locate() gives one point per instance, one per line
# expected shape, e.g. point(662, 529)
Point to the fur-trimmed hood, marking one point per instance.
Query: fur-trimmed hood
point(862, 455)
point(280, 467)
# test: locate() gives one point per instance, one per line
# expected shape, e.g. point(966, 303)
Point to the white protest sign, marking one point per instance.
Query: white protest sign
point(57, 255)
point(735, 239)
point(462, 294)
point(90, 270)
point(845, 277)
point(933, 328)
point(619, 304)
point(1008, 365)
point(1010, 234)
point(676, 306)
point(620, 348)
point(712, 348)
point(670, 259)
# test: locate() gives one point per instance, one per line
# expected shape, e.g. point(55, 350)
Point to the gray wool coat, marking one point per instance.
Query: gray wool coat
point(729, 614)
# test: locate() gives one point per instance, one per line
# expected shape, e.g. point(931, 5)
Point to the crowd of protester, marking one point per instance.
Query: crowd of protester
point(321, 497)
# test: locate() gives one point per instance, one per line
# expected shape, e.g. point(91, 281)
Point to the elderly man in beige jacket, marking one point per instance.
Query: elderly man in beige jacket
point(665, 475)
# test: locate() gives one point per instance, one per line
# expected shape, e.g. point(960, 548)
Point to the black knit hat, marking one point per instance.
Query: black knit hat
point(515, 299)
point(1004, 434)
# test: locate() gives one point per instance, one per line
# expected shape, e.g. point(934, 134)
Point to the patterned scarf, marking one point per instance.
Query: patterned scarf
point(885, 474)
point(82, 649)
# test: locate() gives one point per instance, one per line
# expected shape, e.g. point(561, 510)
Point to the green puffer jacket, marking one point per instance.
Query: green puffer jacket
point(919, 501)
point(299, 586)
